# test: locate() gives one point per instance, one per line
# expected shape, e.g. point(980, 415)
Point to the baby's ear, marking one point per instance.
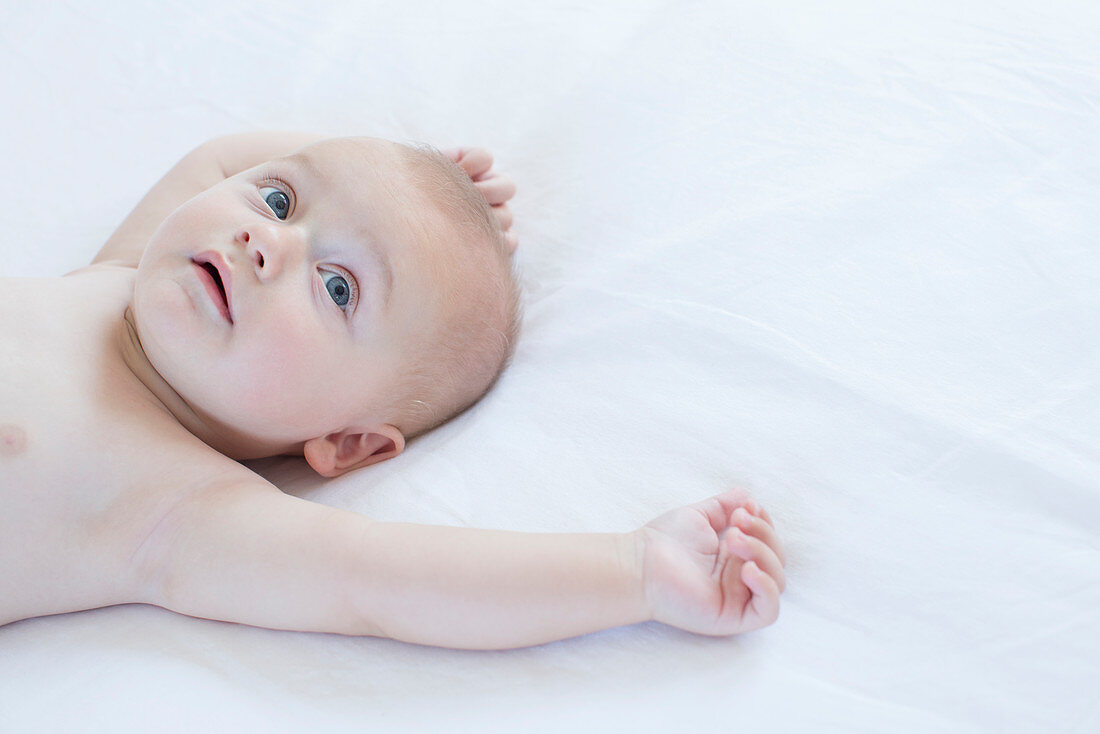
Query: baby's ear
point(337, 453)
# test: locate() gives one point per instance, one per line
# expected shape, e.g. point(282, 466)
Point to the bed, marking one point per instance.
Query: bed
point(844, 255)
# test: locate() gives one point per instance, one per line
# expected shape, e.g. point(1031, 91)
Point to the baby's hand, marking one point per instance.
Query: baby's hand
point(497, 188)
point(715, 567)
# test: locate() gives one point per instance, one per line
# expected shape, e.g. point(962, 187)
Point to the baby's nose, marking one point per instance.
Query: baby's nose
point(269, 248)
point(244, 239)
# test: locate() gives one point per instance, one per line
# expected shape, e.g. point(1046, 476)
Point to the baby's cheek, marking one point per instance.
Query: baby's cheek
point(282, 373)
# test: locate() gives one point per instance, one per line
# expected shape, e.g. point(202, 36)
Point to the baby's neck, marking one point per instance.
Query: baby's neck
point(222, 438)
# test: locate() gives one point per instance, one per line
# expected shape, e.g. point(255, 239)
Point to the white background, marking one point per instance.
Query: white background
point(843, 254)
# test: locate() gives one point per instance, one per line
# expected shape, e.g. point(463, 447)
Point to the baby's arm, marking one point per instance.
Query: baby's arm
point(207, 165)
point(254, 555)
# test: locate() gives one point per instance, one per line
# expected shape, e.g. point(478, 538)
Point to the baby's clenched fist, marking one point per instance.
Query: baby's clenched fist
point(714, 567)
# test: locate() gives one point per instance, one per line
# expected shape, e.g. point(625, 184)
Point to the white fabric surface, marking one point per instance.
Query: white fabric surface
point(843, 254)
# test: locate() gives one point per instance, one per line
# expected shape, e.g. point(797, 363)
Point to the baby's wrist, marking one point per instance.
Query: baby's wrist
point(633, 555)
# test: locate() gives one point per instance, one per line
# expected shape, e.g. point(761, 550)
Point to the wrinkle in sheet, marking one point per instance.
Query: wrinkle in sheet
point(810, 361)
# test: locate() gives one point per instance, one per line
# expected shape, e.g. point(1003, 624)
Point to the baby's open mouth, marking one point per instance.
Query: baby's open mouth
point(212, 279)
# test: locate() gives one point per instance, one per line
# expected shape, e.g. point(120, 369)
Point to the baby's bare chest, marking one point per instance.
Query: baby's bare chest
point(57, 381)
point(80, 448)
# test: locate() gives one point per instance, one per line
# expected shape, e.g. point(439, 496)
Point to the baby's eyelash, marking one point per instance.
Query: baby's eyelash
point(353, 285)
point(281, 186)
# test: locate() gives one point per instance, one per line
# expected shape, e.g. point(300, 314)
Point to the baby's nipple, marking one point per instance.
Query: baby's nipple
point(13, 439)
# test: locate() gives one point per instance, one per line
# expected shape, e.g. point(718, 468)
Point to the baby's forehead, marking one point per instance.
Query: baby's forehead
point(357, 173)
point(352, 178)
point(357, 156)
point(391, 187)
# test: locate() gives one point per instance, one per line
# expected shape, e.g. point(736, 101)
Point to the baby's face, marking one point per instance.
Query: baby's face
point(327, 275)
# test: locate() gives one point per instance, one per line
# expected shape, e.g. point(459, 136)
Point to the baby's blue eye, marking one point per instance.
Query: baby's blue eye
point(337, 287)
point(278, 201)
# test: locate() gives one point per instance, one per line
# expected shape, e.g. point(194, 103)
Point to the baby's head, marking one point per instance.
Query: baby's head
point(370, 297)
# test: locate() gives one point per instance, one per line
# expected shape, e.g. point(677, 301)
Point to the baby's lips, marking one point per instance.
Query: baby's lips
point(225, 273)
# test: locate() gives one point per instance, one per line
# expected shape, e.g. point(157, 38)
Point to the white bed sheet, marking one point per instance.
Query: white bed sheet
point(843, 254)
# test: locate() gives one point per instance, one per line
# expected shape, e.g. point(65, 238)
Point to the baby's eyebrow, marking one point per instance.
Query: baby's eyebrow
point(311, 171)
point(306, 164)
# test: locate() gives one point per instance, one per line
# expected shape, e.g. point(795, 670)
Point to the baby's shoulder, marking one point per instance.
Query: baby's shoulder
point(165, 455)
point(103, 266)
point(156, 466)
point(78, 512)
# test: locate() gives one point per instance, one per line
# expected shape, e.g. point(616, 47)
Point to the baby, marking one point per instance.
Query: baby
point(283, 294)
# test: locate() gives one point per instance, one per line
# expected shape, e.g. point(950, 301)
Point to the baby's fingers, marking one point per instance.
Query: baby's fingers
point(753, 549)
point(474, 161)
point(754, 507)
point(504, 216)
point(497, 188)
point(758, 528)
point(764, 603)
point(511, 242)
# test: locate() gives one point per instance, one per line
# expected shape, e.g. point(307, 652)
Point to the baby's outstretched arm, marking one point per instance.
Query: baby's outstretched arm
point(251, 554)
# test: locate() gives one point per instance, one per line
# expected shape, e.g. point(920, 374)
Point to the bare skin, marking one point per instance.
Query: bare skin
point(108, 496)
